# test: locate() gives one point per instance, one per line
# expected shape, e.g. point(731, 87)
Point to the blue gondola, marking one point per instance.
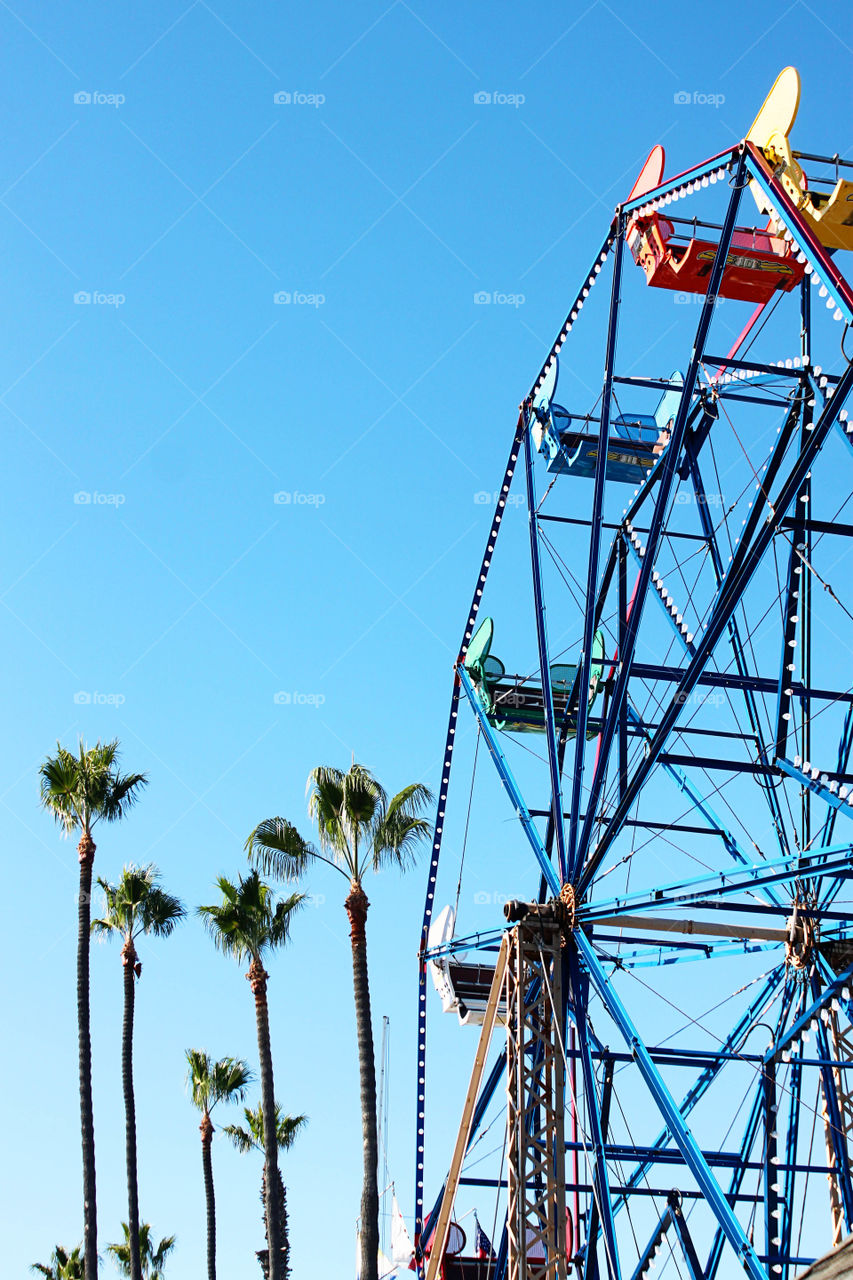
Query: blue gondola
point(636, 442)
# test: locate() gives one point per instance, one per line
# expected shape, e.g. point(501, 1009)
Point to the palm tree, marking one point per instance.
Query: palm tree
point(63, 1265)
point(252, 1139)
point(211, 1082)
point(136, 905)
point(153, 1260)
point(248, 924)
point(360, 829)
point(81, 790)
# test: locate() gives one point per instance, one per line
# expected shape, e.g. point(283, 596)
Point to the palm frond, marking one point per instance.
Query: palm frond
point(398, 840)
point(138, 904)
point(277, 849)
point(210, 1082)
point(63, 1265)
point(161, 912)
point(153, 1260)
point(249, 921)
point(242, 1140)
point(81, 789)
point(252, 1137)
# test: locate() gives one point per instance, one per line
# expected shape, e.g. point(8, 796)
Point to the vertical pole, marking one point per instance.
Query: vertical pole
point(544, 662)
point(536, 1147)
point(786, 1221)
point(804, 508)
point(623, 627)
point(590, 1270)
point(772, 1210)
point(576, 1201)
point(601, 1179)
point(585, 665)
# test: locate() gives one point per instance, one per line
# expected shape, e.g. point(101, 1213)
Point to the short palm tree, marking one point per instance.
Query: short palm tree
point(210, 1083)
point(153, 1259)
point(135, 905)
point(360, 830)
point(251, 1138)
point(81, 790)
point(248, 924)
point(63, 1265)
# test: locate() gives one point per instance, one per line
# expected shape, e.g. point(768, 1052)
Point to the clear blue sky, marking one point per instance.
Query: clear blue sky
point(171, 607)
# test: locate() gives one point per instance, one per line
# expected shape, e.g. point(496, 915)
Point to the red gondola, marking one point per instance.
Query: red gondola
point(758, 263)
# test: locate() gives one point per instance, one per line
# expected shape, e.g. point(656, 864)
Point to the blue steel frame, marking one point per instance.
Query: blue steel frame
point(579, 857)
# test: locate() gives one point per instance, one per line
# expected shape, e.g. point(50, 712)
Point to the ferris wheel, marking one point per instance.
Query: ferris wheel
point(662, 1013)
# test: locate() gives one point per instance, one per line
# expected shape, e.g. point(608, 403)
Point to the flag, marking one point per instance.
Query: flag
point(482, 1243)
point(402, 1249)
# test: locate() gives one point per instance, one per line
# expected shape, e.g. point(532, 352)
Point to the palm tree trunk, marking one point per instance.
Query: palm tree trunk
point(206, 1130)
point(86, 856)
point(283, 1232)
point(263, 1255)
point(128, 959)
point(286, 1239)
point(258, 980)
point(356, 906)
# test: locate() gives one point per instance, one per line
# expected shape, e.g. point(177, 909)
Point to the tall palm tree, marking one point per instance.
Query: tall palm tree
point(251, 1138)
point(153, 1259)
point(81, 790)
point(360, 830)
point(136, 905)
point(63, 1265)
point(248, 924)
point(210, 1083)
